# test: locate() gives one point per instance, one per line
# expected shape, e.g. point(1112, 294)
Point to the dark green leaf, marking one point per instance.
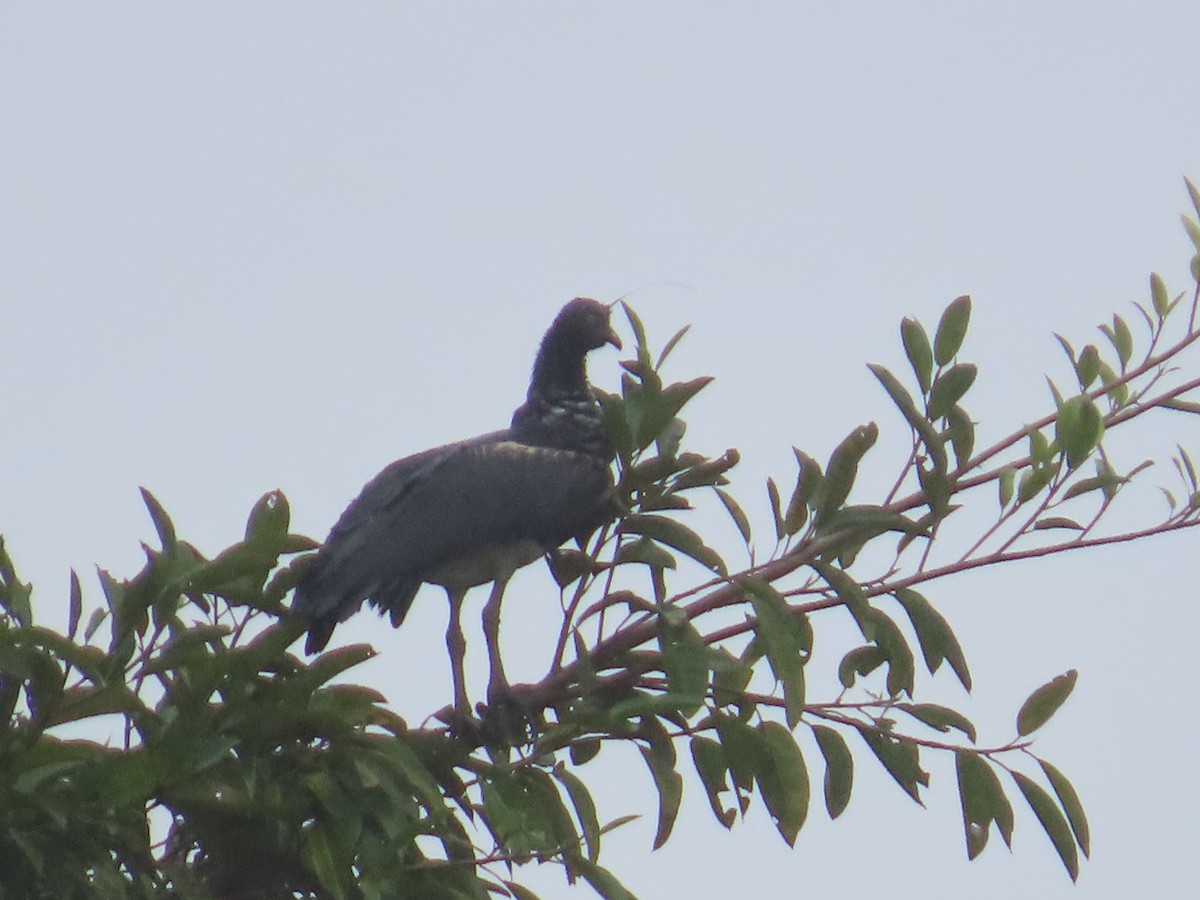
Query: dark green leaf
point(162, 522)
point(776, 509)
point(585, 809)
point(1052, 821)
point(860, 661)
point(774, 633)
point(704, 472)
point(983, 802)
point(940, 717)
point(673, 534)
point(603, 882)
point(660, 759)
point(75, 606)
point(709, 759)
point(951, 330)
point(584, 750)
point(901, 759)
point(736, 513)
point(685, 661)
point(934, 634)
point(839, 769)
point(899, 657)
point(1071, 806)
point(950, 387)
point(916, 419)
point(670, 345)
point(850, 592)
point(918, 350)
point(1044, 702)
point(646, 551)
point(333, 662)
point(784, 783)
point(808, 480)
point(961, 432)
point(843, 468)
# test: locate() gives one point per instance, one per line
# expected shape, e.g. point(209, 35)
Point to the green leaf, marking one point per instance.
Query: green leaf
point(775, 635)
point(1071, 806)
point(950, 387)
point(776, 508)
point(1087, 368)
point(860, 661)
point(603, 882)
point(1033, 481)
point(736, 513)
point(585, 809)
point(1122, 340)
point(645, 551)
point(889, 638)
point(1006, 483)
point(983, 802)
point(784, 784)
point(685, 662)
point(162, 522)
point(673, 534)
point(327, 858)
point(934, 634)
point(808, 480)
point(1159, 296)
point(1052, 821)
point(660, 759)
point(744, 752)
point(333, 662)
point(851, 594)
point(918, 350)
point(74, 607)
point(951, 330)
point(839, 769)
point(902, 759)
point(1192, 229)
point(941, 718)
point(915, 418)
point(1044, 702)
point(709, 758)
point(1053, 522)
point(1194, 194)
point(670, 345)
point(843, 468)
point(961, 432)
point(1078, 428)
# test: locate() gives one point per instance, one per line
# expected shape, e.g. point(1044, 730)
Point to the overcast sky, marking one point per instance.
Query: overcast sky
point(249, 246)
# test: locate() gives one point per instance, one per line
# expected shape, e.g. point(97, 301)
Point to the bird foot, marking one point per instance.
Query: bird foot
point(513, 715)
point(461, 724)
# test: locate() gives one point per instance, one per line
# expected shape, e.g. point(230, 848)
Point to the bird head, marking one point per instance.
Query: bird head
point(583, 324)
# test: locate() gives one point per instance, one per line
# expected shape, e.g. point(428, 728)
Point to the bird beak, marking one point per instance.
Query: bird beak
point(611, 337)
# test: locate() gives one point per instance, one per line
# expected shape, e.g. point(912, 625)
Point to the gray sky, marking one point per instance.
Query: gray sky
point(280, 246)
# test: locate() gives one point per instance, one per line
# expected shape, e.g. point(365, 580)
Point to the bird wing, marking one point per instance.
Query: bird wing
point(455, 504)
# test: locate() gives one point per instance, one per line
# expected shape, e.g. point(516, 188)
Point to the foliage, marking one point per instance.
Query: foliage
point(219, 746)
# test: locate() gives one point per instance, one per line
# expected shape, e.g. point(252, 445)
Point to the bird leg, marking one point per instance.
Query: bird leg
point(456, 646)
point(497, 681)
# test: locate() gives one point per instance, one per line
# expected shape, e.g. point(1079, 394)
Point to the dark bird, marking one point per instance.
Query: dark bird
point(475, 511)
